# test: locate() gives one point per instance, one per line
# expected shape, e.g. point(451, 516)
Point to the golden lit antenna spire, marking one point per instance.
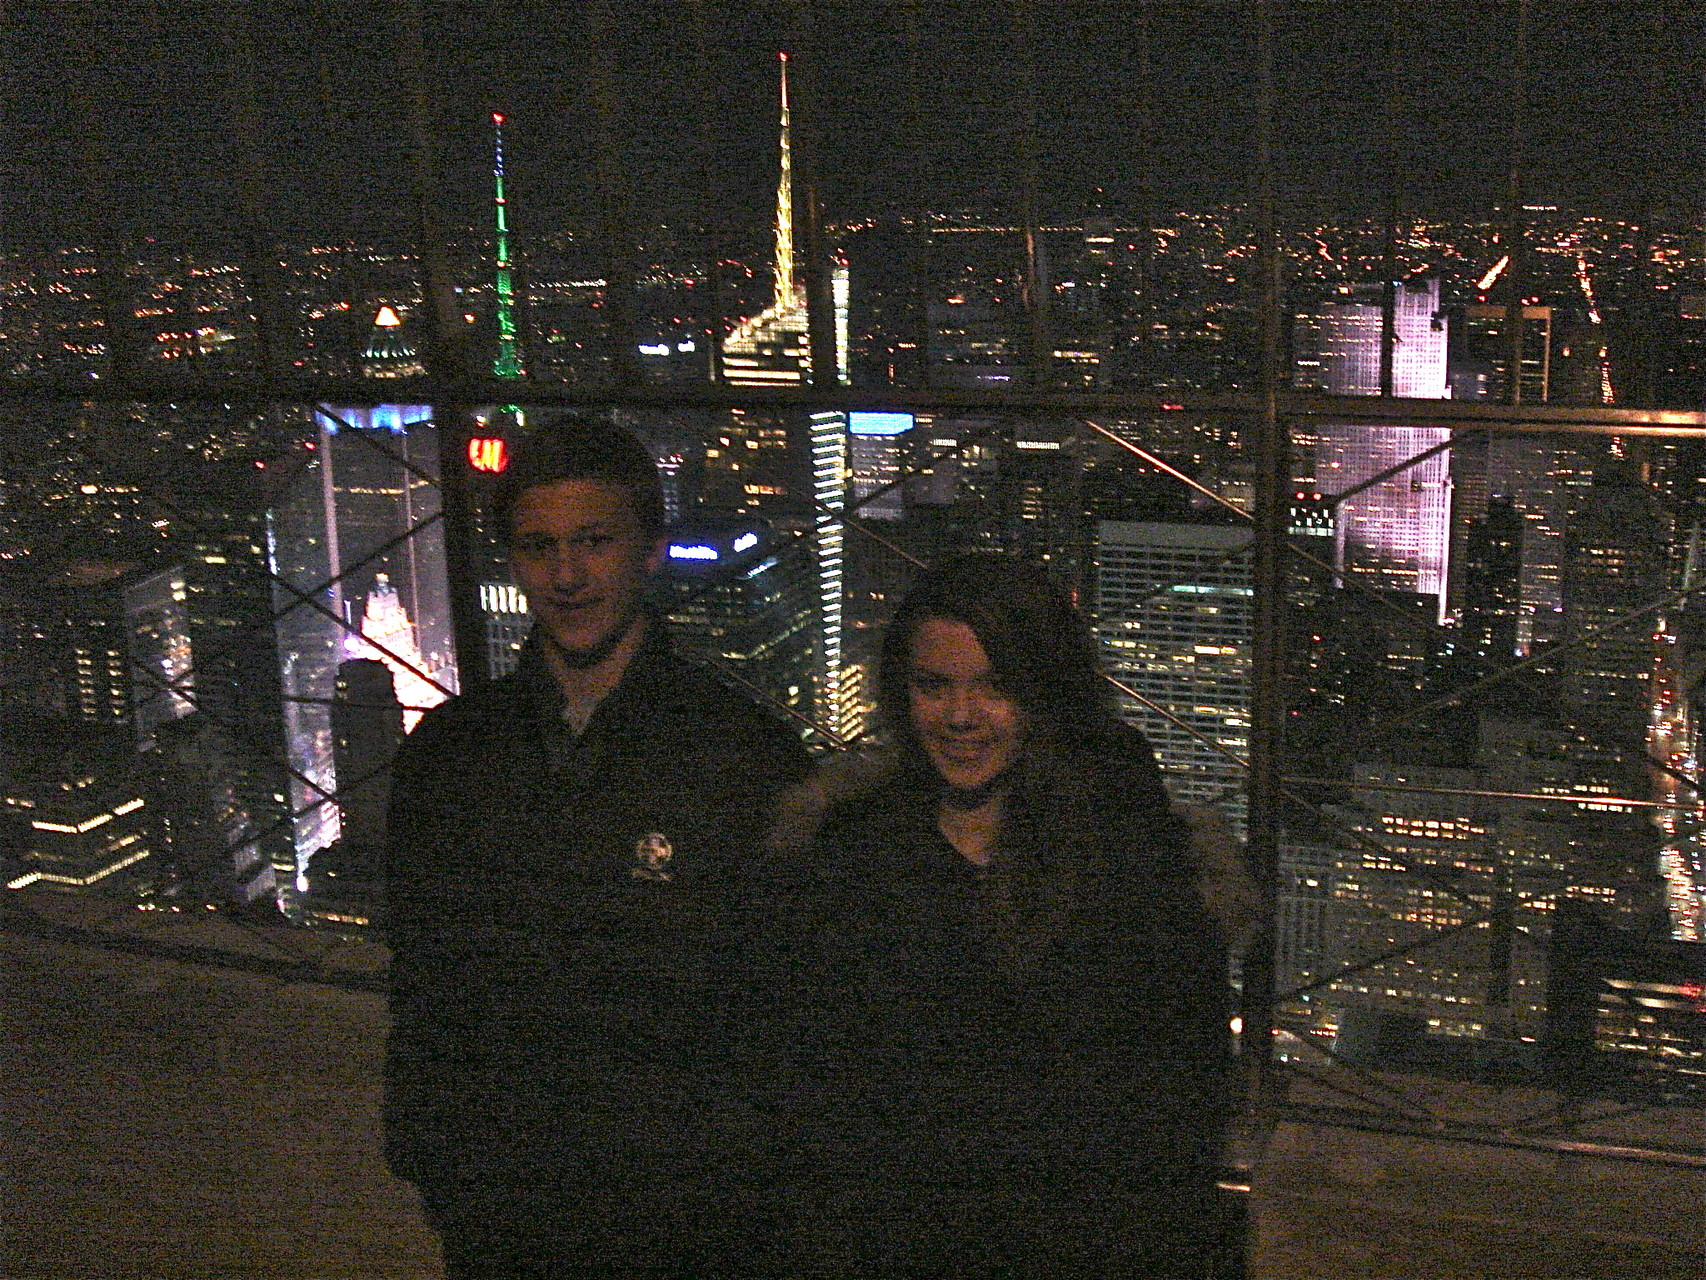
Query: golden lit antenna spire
point(785, 209)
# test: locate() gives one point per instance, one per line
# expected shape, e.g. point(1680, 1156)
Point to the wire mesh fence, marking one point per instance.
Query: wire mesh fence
point(1455, 633)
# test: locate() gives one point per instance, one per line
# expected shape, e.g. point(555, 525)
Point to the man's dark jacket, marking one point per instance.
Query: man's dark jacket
point(561, 914)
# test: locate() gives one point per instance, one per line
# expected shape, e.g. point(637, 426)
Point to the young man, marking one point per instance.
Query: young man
point(565, 869)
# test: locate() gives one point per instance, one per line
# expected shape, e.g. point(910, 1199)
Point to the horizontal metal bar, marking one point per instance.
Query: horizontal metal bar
point(1481, 1135)
point(35, 926)
point(248, 389)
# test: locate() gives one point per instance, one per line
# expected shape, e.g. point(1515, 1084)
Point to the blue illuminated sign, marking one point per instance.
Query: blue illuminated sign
point(691, 551)
point(862, 423)
point(745, 541)
point(395, 418)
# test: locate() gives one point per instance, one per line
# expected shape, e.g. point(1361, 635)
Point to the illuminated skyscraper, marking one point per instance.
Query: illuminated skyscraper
point(162, 676)
point(507, 364)
point(735, 599)
point(390, 351)
point(773, 348)
point(877, 443)
point(796, 473)
point(1396, 535)
point(359, 552)
point(1174, 615)
point(508, 620)
point(1614, 563)
point(1480, 357)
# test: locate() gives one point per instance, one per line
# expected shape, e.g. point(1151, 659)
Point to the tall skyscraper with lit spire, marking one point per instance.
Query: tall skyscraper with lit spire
point(508, 361)
point(767, 463)
point(773, 348)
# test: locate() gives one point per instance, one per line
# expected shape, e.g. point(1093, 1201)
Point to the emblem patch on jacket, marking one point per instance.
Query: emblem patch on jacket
point(652, 854)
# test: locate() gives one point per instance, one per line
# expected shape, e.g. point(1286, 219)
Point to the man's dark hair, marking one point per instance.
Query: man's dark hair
point(1040, 651)
point(580, 448)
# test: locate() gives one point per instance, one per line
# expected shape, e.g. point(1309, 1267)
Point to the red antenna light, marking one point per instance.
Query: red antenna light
point(497, 117)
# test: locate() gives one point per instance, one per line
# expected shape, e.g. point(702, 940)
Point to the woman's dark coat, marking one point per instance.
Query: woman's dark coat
point(1022, 1071)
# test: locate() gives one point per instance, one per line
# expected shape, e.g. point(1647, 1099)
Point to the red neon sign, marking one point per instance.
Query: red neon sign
point(488, 453)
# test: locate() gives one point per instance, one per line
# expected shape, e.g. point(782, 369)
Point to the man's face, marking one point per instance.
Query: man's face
point(580, 553)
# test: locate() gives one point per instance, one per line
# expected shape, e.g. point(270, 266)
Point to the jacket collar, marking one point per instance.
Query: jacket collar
point(651, 677)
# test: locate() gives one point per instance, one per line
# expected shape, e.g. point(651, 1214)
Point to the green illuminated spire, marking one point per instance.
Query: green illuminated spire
point(508, 361)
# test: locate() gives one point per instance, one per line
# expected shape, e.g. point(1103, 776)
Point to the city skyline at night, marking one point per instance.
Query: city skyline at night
point(1345, 364)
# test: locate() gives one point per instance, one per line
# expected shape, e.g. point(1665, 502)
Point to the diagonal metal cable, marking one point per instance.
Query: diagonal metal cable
point(349, 568)
point(947, 455)
point(301, 598)
point(1586, 639)
point(835, 739)
point(1549, 1119)
point(253, 834)
point(369, 438)
point(1241, 761)
point(1575, 798)
point(865, 531)
point(1168, 468)
point(1160, 464)
point(1417, 944)
point(221, 650)
point(1362, 838)
point(1416, 1109)
point(1399, 468)
point(1226, 557)
point(188, 694)
point(1399, 862)
point(1465, 1131)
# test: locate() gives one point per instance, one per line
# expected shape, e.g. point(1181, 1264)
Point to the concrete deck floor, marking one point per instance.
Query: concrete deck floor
point(175, 1121)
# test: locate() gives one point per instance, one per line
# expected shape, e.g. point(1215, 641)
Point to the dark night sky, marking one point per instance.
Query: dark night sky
point(124, 104)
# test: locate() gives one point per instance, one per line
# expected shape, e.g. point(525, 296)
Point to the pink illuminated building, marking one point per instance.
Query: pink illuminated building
point(1396, 535)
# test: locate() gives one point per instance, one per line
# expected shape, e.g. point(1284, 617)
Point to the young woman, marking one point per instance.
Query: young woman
point(1007, 1031)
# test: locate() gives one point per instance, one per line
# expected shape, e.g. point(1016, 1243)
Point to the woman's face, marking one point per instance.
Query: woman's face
point(971, 731)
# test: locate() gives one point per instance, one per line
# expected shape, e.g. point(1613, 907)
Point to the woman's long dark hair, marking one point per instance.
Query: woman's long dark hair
point(1041, 651)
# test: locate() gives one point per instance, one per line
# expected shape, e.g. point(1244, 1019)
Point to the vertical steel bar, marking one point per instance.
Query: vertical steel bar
point(713, 316)
point(806, 137)
point(915, 239)
point(1516, 233)
point(237, 35)
point(1036, 292)
point(616, 223)
point(1389, 179)
point(1267, 702)
point(448, 356)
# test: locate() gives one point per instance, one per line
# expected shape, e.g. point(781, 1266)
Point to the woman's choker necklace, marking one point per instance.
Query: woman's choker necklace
point(974, 797)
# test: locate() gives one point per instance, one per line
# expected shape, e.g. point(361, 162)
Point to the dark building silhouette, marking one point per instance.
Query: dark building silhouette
point(1491, 572)
point(367, 725)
